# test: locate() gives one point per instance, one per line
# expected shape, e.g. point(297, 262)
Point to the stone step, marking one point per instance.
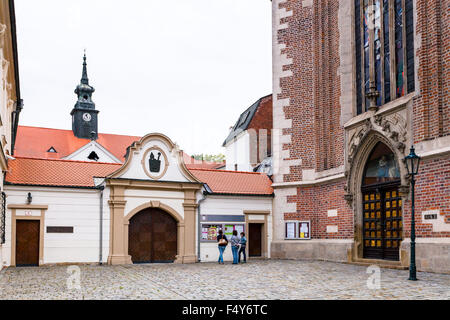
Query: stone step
point(380, 263)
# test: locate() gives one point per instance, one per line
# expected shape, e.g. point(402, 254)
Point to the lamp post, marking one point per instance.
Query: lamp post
point(412, 164)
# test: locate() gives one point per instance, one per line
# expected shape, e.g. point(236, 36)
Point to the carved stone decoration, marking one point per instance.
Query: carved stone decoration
point(349, 198)
point(356, 139)
point(394, 126)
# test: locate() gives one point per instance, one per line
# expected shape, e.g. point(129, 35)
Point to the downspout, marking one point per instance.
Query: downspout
point(199, 225)
point(101, 188)
point(19, 101)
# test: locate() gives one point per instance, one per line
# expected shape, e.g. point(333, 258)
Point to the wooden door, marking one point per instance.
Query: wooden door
point(27, 242)
point(152, 237)
point(382, 223)
point(255, 240)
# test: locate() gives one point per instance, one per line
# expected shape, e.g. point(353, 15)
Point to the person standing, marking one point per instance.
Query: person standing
point(223, 241)
point(243, 243)
point(235, 246)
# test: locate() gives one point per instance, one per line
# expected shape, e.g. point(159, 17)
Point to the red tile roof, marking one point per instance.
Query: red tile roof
point(235, 182)
point(49, 172)
point(33, 142)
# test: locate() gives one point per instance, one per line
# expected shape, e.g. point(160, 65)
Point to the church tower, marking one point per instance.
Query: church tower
point(84, 115)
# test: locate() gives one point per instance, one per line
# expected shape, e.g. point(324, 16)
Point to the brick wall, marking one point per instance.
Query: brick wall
point(432, 105)
point(263, 120)
point(314, 202)
point(432, 193)
point(308, 109)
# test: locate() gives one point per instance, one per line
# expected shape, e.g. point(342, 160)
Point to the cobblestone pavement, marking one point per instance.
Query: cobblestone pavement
point(272, 279)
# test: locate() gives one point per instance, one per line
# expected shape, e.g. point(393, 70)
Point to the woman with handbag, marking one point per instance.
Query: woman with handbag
point(223, 241)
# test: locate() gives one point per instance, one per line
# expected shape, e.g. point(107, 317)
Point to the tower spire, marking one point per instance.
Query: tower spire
point(84, 115)
point(84, 76)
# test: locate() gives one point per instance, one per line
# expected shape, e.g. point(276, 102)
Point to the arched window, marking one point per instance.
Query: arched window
point(381, 166)
point(384, 41)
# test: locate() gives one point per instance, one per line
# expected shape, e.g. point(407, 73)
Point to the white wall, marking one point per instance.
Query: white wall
point(238, 152)
point(234, 205)
point(83, 153)
point(136, 198)
point(66, 207)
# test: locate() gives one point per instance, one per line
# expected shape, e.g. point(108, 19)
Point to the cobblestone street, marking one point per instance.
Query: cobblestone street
point(254, 280)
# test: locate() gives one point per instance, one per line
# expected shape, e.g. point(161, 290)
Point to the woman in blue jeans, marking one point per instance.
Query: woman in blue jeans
point(235, 246)
point(222, 245)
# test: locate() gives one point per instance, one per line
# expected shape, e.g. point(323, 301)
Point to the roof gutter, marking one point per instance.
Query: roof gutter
point(19, 102)
point(272, 195)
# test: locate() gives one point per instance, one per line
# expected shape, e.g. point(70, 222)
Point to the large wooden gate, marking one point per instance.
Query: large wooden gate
point(152, 236)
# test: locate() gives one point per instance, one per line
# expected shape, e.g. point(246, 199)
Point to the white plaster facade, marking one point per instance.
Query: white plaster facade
point(237, 152)
point(77, 208)
point(109, 204)
point(234, 205)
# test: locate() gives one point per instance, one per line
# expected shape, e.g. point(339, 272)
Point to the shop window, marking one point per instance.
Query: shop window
point(384, 41)
point(210, 231)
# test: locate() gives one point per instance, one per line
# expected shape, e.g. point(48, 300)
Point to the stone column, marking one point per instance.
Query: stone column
point(190, 210)
point(118, 253)
point(180, 243)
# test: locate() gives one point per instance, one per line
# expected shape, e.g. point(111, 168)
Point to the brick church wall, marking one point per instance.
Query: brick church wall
point(314, 98)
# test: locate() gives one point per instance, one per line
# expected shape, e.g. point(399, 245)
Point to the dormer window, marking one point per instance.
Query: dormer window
point(52, 150)
point(243, 119)
point(93, 156)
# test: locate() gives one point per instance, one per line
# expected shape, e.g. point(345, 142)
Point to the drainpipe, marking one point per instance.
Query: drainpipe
point(101, 188)
point(19, 102)
point(199, 225)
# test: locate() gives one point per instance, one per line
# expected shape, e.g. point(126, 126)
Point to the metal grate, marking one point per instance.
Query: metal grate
point(3, 218)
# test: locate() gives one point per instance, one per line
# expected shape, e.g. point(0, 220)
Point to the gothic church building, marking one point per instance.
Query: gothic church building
point(356, 83)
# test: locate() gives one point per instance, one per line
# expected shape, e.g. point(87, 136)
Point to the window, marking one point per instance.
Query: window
point(210, 231)
point(52, 150)
point(297, 230)
point(93, 156)
point(2, 218)
point(384, 41)
point(381, 166)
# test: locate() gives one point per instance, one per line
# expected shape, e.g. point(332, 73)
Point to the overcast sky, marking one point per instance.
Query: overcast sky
point(185, 68)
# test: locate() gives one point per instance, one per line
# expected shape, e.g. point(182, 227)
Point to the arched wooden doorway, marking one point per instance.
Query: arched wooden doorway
point(382, 205)
point(152, 236)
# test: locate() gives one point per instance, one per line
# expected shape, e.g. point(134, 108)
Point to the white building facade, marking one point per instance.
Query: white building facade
point(149, 209)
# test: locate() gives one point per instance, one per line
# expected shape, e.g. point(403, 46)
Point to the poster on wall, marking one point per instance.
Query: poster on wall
point(304, 229)
point(209, 232)
point(229, 230)
point(290, 230)
point(239, 228)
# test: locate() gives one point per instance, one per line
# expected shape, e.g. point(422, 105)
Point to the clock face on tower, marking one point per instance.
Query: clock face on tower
point(86, 117)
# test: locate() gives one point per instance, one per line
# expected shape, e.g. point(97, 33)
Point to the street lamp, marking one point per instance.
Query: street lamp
point(412, 164)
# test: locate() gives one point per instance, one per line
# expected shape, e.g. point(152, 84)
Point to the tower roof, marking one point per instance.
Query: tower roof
point(84, 86)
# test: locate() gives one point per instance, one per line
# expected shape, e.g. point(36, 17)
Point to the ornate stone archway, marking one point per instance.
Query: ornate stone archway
point(166, 209)
point(361, 145)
